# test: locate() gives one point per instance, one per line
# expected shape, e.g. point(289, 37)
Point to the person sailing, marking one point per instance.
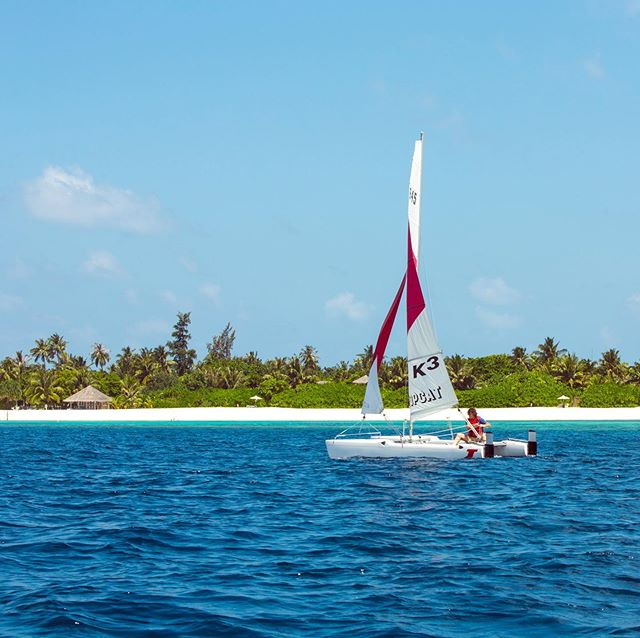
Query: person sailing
point(475, 429)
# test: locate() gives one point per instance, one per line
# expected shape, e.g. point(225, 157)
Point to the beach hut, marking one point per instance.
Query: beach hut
point(362, 380)
point(563, 401)
point(89, 399)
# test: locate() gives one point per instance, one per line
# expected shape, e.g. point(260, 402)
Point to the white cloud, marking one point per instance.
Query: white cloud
point(498, 320)
point(72, 197)
point(211, 291)
point(633, 302)
point(168, 296)
point(101, 262)
point(593, 68)
point(494, 291)
point(633, 7)
point(345, 304)
point(9, 303)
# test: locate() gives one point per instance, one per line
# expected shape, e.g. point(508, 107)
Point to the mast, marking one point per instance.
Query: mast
point(430, 388)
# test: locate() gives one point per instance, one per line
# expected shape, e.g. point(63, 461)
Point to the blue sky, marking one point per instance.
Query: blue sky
point(249, 161)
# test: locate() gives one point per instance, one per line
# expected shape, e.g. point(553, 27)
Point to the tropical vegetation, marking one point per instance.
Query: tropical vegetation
point(170, 375)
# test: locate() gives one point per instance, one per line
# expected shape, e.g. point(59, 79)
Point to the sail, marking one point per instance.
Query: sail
point(415, 193)
point(430, 388)
point(372, 403)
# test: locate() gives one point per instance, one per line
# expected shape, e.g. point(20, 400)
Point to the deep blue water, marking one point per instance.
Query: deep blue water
point(253, 531)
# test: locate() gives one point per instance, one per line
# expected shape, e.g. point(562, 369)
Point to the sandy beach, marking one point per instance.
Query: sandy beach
point(276, 415)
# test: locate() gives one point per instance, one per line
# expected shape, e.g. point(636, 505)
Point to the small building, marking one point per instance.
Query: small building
point(363, 380)
point(89, 399)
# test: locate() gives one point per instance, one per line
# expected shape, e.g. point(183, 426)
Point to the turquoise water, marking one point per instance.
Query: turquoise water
point(250, 530)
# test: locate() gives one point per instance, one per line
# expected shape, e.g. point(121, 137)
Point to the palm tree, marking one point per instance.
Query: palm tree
point(58, 346)
point(611, 367)
point(145, 365)
point(125, 362)
point(14, 368)
point(339, 372)
point(589, 366)
point(277, 366)
point(364, 360)
point(43, 389)
point(295, 373)
point(42, 352)
point(77, 361)
point(569, 370)
point(548, 351)
point(634, 373)
point(397, 372)
point(130, 393)
point(161, 357)
point(460, 372)
point(252, 358)
point(100, 355)
point(232, 378)
point(21, 360)
point(520, 357)
point(309, 359)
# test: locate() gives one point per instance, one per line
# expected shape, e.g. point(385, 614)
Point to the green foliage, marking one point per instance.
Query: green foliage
point(42, 389)
point(179, 344)
point(222, 344)
point(161, 380)
point(493, 368)
point(179, 396)
point(520, 389)
point(166, 376)
point(326, 395)
point(270, 386)
point(610, 395)
point(69, 381)
point(107, 382)
point(10, 393)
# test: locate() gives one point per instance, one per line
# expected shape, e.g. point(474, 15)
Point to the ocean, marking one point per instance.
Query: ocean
point(220, 530)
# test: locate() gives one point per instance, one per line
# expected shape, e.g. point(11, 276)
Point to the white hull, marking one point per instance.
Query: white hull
point(430, 447)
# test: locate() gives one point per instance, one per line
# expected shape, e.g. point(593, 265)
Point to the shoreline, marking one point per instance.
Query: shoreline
point(277, 415)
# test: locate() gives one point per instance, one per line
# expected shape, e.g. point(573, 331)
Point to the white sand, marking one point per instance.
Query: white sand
point(251, 414)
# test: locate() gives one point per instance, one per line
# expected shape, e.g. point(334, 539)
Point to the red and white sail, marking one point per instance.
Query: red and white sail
point(372, 403)
point(430, 388)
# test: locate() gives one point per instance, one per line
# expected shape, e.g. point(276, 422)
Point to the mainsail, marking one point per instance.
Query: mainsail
point(430, 388)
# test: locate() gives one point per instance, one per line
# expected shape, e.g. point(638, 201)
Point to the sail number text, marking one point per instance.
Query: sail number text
point(418, 370)
point(413, 196)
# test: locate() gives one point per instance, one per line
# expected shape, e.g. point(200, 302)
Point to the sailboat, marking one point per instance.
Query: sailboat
point(430, 388)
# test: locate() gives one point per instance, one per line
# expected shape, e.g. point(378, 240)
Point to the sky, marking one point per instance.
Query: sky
point(248, 162)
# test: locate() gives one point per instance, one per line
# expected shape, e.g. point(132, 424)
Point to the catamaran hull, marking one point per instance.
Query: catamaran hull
point(421, 447)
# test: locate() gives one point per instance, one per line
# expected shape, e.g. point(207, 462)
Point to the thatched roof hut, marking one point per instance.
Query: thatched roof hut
point(89, 399)
point(361, 380)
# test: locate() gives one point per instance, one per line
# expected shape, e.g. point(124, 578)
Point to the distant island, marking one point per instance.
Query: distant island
point(170, 376)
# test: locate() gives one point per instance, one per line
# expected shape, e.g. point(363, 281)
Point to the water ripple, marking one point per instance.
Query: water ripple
point(203, 531)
